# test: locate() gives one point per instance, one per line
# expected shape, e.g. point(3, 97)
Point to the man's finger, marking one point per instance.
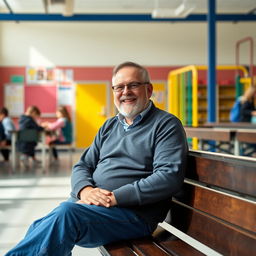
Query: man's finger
point(97, 195)
point(105, 192)
point(99, 202)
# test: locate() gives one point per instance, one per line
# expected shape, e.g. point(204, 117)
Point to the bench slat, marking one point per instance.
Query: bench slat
point(172, 244)
point(209, 134)
point(222, 206)
point(180, 248)
point(116, 249)
point(146, 246)
point(228, 174)
point(246, 136)
point(223, 238)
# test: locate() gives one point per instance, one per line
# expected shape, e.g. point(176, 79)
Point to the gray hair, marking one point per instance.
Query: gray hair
point(143, 71)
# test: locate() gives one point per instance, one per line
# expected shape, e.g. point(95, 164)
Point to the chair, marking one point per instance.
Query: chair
point(69, 147)
point(27, 136)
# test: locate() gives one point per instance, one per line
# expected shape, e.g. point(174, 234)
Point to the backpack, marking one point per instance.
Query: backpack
point(67, 131)
point(234, 115)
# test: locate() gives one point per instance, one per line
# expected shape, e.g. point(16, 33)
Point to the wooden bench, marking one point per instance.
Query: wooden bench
point(238, 125)
point(216, 214)
point(231, 140)
point(245, 141)
point(223, 138)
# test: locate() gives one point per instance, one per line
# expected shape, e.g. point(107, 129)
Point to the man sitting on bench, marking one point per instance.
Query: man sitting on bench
point(122, 185)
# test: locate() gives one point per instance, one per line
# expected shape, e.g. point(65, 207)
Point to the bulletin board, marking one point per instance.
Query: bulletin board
point(44, 97)
point(14, 99)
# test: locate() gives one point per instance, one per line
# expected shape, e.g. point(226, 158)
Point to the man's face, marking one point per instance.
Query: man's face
point(131, 101)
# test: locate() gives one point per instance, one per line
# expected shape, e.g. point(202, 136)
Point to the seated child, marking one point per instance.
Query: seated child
point(29, 121)
point(61, 129)
point(7, 126)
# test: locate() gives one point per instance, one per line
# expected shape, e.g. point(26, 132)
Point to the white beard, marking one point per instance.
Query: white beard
point(130, 113)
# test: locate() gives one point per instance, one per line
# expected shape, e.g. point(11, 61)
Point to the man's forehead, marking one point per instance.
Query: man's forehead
point(126, 73)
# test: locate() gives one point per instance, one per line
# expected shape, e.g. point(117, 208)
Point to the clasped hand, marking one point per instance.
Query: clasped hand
point(97, 196)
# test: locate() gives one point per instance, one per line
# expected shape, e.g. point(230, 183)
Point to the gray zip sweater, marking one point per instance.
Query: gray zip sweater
point(143, 166)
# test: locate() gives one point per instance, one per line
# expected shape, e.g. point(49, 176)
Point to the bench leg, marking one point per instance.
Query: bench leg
point(14, 152)
point(200, 144)
point(50, 156)
point(44, 158)
point(236, 147)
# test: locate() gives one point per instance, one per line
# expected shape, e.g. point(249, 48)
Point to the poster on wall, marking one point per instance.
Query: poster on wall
point(14, 99)
point(65, 95)
point(65, 76)
point(46, 75)
point(40, 75)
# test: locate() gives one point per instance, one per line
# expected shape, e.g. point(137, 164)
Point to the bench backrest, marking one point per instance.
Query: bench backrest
point(210, 133)
point(246, 135)
point(218, 204)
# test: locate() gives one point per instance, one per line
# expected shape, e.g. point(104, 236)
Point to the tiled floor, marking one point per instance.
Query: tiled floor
point(27, 196)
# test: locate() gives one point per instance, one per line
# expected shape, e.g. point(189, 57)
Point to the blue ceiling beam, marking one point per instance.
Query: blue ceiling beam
point(124, 17)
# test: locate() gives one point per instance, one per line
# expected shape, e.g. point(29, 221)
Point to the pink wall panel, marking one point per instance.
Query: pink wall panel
point(91, 73)
point(43, 96)
point(160, 73)
point(105, 73)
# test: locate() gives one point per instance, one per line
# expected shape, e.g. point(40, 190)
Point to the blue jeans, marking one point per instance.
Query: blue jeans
point(73, 224)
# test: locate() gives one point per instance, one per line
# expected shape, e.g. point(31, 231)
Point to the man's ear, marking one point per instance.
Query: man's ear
point(150, 89)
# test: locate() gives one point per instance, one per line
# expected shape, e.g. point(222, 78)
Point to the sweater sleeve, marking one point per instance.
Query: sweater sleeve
point(59, 123)
point(170, 154)
point(83, 170)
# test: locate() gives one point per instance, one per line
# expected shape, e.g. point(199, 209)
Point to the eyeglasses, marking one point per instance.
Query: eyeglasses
point(131, 86)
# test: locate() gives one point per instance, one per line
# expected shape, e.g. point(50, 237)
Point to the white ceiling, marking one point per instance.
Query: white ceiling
point(126, 6)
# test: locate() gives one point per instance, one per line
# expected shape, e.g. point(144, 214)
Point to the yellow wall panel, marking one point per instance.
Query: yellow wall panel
point(159, 95)
point(91, 108)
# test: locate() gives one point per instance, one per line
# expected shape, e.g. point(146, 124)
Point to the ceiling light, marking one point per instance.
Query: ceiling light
point(182, 11)
point(163, 13)
point(68, 6)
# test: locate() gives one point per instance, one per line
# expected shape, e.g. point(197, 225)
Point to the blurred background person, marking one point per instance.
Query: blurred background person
point(248, 110)
point(7, 127)
point(29, 120)
point(60, 130)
